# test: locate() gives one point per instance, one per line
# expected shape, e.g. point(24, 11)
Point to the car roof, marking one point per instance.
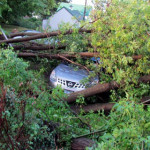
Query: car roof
point(31, 31)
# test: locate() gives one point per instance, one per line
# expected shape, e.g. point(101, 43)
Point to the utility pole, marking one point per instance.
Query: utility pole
point(85, 10)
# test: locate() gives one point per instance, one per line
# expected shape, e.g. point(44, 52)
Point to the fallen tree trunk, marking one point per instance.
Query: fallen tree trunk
point(35, 47)
point(100, 88)
point(68, 55)
point(43, 35)
point(58, 56)
point(93, 107)
point(97, 89)
point(102, 106)
point(23, 34)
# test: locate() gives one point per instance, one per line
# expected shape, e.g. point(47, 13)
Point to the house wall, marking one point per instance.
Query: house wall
point(62, 16)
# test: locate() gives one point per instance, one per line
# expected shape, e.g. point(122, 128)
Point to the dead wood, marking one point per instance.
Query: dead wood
point(81, 143)
point(57, 56)
point(100, 88)
point(37, 47)
point(72, 62)
point(93, 107)
point(43, 35)
point(102, 106)
point(97, 89)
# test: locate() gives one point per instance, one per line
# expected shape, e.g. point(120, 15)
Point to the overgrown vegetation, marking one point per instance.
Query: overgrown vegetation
point(32, 116)
point(30, 23)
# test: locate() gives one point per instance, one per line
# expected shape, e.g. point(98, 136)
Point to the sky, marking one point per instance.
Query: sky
point(81, 2)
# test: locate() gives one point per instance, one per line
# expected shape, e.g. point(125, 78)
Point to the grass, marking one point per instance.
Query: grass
point(9, 28)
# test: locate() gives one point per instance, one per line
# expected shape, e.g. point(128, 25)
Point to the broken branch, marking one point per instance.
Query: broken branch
point(43, 35)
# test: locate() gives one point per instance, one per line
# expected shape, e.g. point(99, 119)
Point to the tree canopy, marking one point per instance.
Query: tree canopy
point(11, 10)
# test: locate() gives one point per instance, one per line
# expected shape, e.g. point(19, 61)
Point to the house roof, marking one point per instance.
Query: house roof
point(73, 7)
point(75, 13)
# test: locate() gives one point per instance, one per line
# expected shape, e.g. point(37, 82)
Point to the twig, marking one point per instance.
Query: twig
point(74, 62)
point(89, 134)
point(146, 101)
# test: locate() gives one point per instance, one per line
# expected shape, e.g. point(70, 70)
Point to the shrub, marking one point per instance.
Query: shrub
point(30, 116)
point(127, 128)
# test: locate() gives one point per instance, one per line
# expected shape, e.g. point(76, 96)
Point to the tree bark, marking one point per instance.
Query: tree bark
point(81, 143)
point(100, 88)
point(57, 56)
point(38, 47)
point(43, 35)
point(97, 89)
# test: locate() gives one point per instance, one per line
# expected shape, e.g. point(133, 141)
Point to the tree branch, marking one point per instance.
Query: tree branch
point(43, 35)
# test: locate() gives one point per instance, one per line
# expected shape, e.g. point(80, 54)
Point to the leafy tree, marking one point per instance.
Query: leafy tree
point(3, 6)
point(11, 10)
point(119, 36)
point(49, 7)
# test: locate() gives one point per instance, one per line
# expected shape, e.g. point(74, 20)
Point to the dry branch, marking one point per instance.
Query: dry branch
point(43, 35)
point(72, 62)
point(93, 107)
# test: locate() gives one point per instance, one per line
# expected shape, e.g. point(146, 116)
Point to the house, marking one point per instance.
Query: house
point(78, 7)
point(66, 13)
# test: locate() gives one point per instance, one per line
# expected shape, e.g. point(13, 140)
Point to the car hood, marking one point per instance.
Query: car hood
point(69, 73)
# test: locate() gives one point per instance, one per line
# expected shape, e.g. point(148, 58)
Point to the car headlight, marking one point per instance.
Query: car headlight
point(53, 76)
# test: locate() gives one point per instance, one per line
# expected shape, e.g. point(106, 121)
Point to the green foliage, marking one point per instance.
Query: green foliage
point(3, 6)
point(12, 67)
point(31, 23)
point(127, 128)
point(119, 36)
point(12, 10)
point(31, 114)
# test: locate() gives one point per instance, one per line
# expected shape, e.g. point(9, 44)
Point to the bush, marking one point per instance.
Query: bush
point(30, 116)
point(127, 128)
